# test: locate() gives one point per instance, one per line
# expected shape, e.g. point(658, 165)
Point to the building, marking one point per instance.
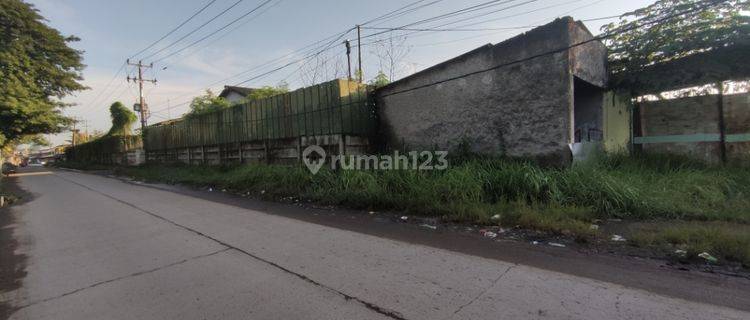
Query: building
point(48, 155)
point(235, 94)
point(534, 95)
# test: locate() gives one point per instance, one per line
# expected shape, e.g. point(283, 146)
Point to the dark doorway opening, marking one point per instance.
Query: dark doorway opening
point(587, 111)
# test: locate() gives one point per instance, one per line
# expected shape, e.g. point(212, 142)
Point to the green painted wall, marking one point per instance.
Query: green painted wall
point(616, 122)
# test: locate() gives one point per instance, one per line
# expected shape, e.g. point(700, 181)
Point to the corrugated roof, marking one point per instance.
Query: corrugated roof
point(244, 91)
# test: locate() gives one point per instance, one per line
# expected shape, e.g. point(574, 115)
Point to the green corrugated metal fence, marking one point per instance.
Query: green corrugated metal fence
point(101, 150)
point(335, 107)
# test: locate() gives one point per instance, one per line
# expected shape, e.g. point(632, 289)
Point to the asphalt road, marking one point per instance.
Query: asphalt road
point(100, 248)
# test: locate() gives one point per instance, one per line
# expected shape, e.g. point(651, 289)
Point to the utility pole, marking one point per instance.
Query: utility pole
point(74, 133)
point(169, 109)
point(360, 74)
point(141, 106)
point(348, 58)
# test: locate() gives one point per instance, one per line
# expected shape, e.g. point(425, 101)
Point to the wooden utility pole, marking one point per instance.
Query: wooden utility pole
point(360, 73)
point(141, 106)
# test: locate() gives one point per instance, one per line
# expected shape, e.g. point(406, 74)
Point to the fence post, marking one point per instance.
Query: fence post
point(722, 124)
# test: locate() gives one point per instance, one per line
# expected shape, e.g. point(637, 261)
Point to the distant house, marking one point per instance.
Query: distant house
point(235, 94)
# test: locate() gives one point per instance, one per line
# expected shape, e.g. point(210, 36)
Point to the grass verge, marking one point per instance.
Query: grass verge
point(726, 241)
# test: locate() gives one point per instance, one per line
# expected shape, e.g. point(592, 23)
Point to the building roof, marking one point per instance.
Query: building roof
point(243, 91)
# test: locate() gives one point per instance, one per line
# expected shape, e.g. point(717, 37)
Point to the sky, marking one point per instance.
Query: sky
point(262, 47)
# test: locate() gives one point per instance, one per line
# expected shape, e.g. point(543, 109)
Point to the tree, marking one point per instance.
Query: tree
point(380, 80)
point(648, 35)
point(391, 52)
point(322, 67)
point(268, 91)
point(122, 120)
point(37, 69)
point(207, 103)
point(8, 149)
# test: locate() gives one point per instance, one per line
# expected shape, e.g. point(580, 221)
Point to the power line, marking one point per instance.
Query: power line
point(391, 18)
point(122, 67)
point(226, 33)
point(215, 32)
point(460, 28)
point(448, 15)
point(465, 10)
point(395, 13)
point(194, 30)
point(597, 38)
point(473, 8)
point(391, 14)
point(384, 16)
point(106, 87)
point(274, 61)
point(455, 29)
point(513, 15)
point(142, 107)
point(494, 33)
point(175, 29)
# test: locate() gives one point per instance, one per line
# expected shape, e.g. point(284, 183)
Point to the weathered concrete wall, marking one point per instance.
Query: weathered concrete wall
point(272, 151)
point(521, 109)
point(589, 59)
point(692, 126)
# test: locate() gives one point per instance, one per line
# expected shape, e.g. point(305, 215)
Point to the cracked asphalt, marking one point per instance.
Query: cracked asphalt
point(100, 248)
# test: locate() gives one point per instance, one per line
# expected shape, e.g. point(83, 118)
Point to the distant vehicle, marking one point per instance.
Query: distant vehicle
point(36, 163)
point(9, 168)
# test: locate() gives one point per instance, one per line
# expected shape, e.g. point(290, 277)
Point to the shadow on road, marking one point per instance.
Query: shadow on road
point(12, 264)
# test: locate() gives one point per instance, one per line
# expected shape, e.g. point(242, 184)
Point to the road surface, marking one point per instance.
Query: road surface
point(100, 248)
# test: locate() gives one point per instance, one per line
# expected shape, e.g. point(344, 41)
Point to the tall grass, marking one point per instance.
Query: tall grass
point(653, 187)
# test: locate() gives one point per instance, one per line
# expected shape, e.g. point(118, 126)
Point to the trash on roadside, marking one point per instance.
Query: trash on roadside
point(555, 244)
point(210, 189)
point(708, 257)
point(496, 217)
point(404, 218)
point(535, 242)
point(680, 252)
point(428, 226)
point(490, 234)
point(618, 238)
point(594, 227)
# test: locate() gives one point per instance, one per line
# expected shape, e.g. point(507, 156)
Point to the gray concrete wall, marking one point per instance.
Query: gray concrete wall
point(523, 109)
point(692, 126)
